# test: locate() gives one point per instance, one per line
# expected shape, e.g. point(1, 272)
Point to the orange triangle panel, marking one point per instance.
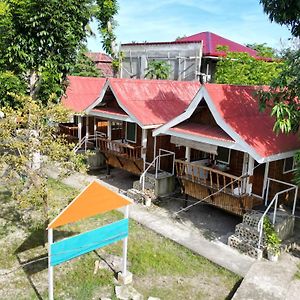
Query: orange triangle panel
point(94, 199)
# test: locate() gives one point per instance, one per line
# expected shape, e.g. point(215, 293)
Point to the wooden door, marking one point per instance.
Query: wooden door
point(258, 179)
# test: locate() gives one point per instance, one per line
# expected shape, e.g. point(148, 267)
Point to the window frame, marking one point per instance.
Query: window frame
point(135, 132)
point(229, 156)
point(293, 165)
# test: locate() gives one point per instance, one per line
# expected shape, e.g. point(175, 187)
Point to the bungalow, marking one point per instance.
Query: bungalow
point(117, 116)
point(231, 148)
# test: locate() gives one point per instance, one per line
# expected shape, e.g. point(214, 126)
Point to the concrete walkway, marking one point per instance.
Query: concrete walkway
point(271, 281)
point(216, 252)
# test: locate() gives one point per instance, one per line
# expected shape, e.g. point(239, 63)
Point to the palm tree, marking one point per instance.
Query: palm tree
point(158, 69)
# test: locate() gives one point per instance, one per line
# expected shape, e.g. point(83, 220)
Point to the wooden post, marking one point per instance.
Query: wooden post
point(50, 268)
point(125, 244)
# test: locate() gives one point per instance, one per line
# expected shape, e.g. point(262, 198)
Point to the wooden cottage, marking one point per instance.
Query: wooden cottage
point(118, 117)
point(231, 149)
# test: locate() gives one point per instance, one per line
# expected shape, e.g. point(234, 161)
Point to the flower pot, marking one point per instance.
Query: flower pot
point(272, 256)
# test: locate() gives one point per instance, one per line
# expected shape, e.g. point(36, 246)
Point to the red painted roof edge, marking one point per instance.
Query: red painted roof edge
point(161, 43)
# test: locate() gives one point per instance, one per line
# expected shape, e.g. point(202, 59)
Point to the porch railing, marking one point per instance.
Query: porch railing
point(211, 178)
point(119, 148)
point(156, 163)
point(89, 139)
point(274, 202)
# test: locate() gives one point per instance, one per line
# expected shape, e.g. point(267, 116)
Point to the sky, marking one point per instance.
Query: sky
point(242, 21)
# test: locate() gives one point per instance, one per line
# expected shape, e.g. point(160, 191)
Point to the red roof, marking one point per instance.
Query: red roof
point(103, 62)
point(212, 40)
point(82, 92)
point(153, 102)
point(238, 106)
point(206, 131)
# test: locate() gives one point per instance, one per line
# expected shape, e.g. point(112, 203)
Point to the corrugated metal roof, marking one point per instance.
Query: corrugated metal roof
point(239, 108)
point(153, 102)
point(103, 62)
point(212, 40)
point(206, 131)
point(82, 92)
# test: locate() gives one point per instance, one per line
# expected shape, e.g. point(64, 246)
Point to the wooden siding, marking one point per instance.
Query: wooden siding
point(235, 205)
point(130, 165)
point(236, 162)
point(202, 115)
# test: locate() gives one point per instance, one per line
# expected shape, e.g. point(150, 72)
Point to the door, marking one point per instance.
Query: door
point(258, 179)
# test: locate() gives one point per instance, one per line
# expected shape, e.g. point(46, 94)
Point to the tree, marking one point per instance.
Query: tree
point(284, 94)
point(29, 143)
point(40, 39)
point(263, 50)
point(284, 12)
point(241, 68)
point(84, 66)
point(158, 70)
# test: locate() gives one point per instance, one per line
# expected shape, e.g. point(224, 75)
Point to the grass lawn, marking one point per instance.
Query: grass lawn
point(161, 268)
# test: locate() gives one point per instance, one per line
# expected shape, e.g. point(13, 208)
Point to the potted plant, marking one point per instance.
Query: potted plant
point(272, 240)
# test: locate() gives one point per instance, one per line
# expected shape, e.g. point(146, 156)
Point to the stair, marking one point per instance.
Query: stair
point(246, 236)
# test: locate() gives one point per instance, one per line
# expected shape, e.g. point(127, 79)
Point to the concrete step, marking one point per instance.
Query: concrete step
point(248, 233)
point(252, 218)
point(245, 246)
point(138, 186)
point(136, 195)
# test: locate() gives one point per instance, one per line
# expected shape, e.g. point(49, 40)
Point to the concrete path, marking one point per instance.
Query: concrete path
point(271, 281)
point(216, 252)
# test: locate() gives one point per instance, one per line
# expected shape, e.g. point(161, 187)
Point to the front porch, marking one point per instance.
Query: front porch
point(216, 187)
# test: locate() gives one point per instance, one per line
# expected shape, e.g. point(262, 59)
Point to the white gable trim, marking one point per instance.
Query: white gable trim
point(182, 117)
point(215, 142)
point(99, 99)
point(110, 116)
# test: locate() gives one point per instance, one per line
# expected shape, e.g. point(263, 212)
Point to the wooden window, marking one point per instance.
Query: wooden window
point(223, 155)
point(131, 132)
point(116, 126)
point(289, 165)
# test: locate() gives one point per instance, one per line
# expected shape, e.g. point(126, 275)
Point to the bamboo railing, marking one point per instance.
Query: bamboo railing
point(210, 177)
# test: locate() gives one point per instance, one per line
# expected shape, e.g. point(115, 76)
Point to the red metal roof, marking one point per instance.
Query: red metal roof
point(103, 62)
point(206, 131)
point(153, 102)
point(82, 92)
point(212, 40)
point(238, 106)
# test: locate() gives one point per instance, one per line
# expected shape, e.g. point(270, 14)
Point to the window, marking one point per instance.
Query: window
point(116, 126)
point(131, 132)
point(223, 155)
point(289, 165)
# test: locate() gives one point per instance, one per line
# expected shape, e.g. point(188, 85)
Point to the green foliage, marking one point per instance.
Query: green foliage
point(84, 66)
point(272, 240)
point(26, 134)
point(158, 70)
point(105, 13)
point(284, 12)
point(263, 50)
point(10, 84)
point(241, 68)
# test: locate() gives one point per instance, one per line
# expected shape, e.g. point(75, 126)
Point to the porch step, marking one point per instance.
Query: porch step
point(138, 186)
point(252, 218)
point(136, 195)
point(248, 233)
point(244, 246)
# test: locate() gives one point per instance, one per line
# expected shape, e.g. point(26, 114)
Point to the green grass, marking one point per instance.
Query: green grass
point(297, 274)
point(159, 265)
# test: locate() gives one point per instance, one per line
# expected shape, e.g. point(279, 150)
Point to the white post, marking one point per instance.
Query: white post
point(109, 130)
point(50, 268)
point(266, 175)
point(245, 171)
point(188, 154)
point(295, 200)
point(144, 144)
point(125, 242)
point(79, 128)
point(154, 148)
point(250, 173)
